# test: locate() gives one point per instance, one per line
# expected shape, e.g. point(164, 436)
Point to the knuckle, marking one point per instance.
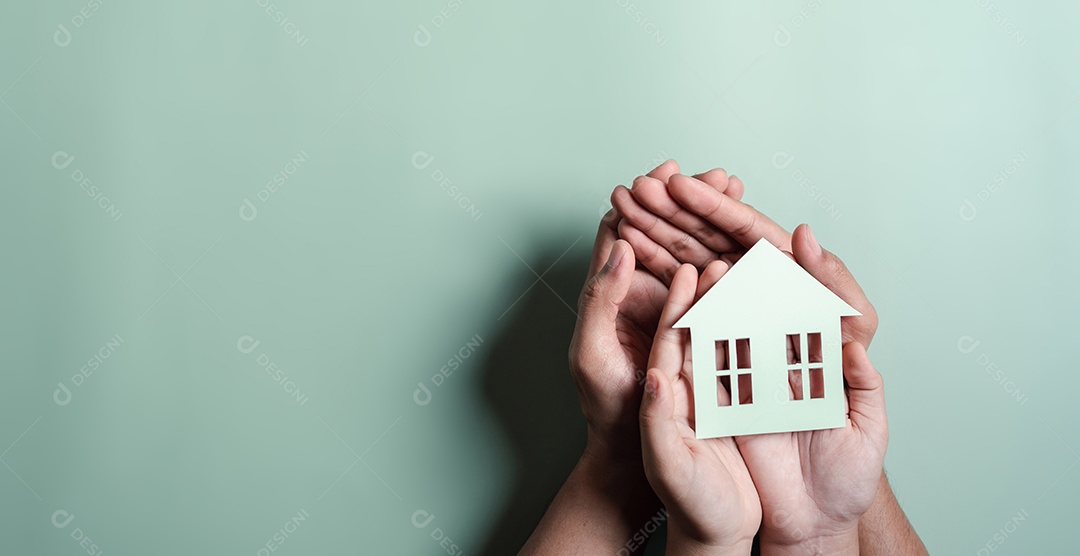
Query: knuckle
point(748, 225)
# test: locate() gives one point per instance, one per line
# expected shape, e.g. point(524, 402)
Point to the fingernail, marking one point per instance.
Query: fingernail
point(615, 257)
point(814, 245)
point(650, 385)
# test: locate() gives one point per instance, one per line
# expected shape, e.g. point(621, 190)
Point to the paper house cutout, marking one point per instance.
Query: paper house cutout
point(739, 336)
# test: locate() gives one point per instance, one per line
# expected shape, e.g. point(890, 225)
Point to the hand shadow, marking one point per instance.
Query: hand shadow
point(526, 382)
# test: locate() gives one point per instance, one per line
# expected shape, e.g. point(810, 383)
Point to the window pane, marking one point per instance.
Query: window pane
point(746, 390)
point(742, 347)
point(794, 345)
point(722, 355)
point(817, 383)
point(813, 347)
point(795, 381)
point(723, 389)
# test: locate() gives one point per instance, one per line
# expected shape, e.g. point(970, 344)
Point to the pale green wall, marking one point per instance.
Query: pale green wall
point(361, 277)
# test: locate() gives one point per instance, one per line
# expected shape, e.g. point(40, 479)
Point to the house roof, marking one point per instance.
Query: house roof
point(765, 283)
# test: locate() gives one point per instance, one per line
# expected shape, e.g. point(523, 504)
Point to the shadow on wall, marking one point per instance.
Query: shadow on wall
point(526, 382)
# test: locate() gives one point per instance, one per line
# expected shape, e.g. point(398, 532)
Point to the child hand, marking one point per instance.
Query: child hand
point(711, 500)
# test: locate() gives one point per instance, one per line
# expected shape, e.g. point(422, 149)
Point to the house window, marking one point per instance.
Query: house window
point(804, 364)
point(733, 383)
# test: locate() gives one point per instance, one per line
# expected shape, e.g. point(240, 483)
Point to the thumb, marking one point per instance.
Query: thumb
point(828, 269)
point(599, 303)
point(662, 448)
point(866, 394)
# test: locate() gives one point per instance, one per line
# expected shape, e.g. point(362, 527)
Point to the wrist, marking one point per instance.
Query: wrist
point(840, 541)
point(620, 487)
point(681, 543)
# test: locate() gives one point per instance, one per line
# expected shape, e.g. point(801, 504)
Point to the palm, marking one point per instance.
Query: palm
point(811, 480)
point(704, 482)
point(716, 476)
point(610, 369)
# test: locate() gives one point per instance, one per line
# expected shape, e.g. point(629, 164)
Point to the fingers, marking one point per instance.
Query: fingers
point(828, 269)
point(718, 178)
point(665, 170)
point(681, 245)
point(653, 195)
point(606, 236)
point(735, 188)
point(740, 221)
point(669, 345)
point(598, 305)
point(663, 451)
point(865, 392)
point(650, 254)
point(710, 276)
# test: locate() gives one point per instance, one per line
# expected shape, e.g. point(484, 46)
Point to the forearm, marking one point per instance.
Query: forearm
point(601, 509)
point(884, 529)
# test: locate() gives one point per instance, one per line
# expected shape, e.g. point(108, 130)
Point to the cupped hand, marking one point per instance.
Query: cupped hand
point(706, 487)
point(815, 485)
point(618, 311)
point(701, 218)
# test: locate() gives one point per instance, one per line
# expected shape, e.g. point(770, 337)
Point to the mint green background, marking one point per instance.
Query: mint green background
point(361, 277)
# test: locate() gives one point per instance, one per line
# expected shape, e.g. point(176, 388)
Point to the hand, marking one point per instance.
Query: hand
point(815, 485)
point(618, 312)
point(705, 210)
point(710, 497)
point(665, 235)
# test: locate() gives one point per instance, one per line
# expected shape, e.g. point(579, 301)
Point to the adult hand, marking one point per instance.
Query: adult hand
point(710, 497)
point(618, 311)
point(705, 210)
point(815, 485)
